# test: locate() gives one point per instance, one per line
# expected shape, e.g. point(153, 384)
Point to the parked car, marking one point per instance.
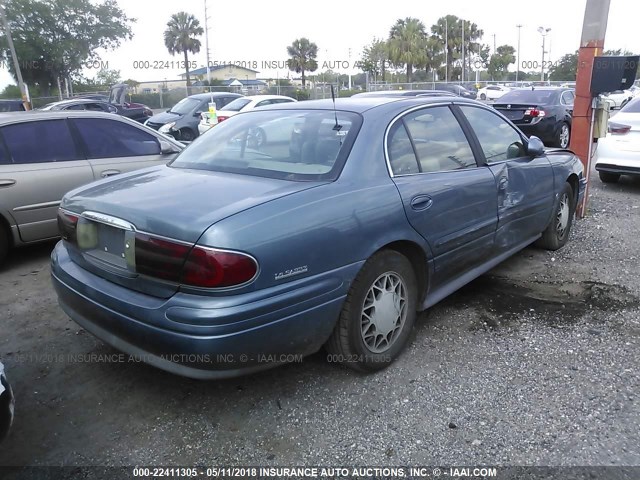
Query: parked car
point(11, 106)
point(81, 104)
point(619, 152)
point(45, 154)
point(7, 402)
point(492, 92)
point(135, 111)
point(261, 253)
point(618, 99)
point(545, 112)
point(93, 96)
point(181, 121)
point(459, 90)
point(242, 104)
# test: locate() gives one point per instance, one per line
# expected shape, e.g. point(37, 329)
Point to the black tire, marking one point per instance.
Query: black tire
point(187, 135)
point(563, 136)
point(483, 96)
point(607, 177)
point(555, 237)
point(257, 137)
point(347, 344)
point(4, 244)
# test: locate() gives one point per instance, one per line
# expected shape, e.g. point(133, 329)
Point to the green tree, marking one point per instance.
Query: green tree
point(11, 91)
point(407, 44)
point(180, 37)
point(108, 77)
point(374, 58)
point(500, 61)
point(55, 39)
point(565, 68)
point(302, 57)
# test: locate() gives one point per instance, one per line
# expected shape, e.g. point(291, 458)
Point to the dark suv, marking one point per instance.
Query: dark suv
point(181, 121)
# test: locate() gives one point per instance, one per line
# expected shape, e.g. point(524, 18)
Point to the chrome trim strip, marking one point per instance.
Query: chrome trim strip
point(36, 206)
point(108, 220)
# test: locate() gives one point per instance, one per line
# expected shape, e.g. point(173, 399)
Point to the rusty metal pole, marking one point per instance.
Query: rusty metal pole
point(594, 29)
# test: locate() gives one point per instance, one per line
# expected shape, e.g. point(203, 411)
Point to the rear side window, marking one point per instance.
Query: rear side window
point(237, 105)
point(110, 139)
point(40, 142)
point(402, 158)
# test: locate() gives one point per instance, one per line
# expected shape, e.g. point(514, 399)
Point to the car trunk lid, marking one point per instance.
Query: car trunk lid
point(516, 111)
point(178, 205)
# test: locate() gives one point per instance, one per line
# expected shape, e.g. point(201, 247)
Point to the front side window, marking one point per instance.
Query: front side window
point(299, 145)
point(40, 142)
point(499, 140)
point(111, 139)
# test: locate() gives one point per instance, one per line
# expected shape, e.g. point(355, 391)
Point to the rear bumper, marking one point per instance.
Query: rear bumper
point(204, 337)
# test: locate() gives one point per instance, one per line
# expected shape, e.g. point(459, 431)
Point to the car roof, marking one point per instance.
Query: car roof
point(364, 103)
point(265, 97)
point(203, 96)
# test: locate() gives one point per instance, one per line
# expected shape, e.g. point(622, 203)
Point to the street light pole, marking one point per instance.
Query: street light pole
point(206, 41)
point(518, 64)
point(14, 56)
point(543, 31)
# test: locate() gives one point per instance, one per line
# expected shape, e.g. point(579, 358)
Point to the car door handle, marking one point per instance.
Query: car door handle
point(109, 173)
point(421, 202)
point(7, 182)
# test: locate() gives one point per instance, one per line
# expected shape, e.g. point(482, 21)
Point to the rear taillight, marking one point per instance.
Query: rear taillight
point(68, 225)
point(618, 128)
point(211, 268)
point(195, 266)
point(534, 112)
point(221, 118)
point(147, 112)
point(160, 258)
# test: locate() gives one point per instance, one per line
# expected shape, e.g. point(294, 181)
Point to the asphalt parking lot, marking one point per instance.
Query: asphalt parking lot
point(535, 363)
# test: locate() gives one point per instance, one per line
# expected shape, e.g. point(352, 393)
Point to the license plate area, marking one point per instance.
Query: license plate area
point(108, 245)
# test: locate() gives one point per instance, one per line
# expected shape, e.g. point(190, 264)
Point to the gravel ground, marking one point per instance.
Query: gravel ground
point(535, 363)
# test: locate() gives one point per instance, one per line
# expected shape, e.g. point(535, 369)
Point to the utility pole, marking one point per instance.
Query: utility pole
point(206, 41)
point(594, 29)
point(16, 64)
point(446, 49)
point(518, 65)
point(349, 69)
point(543, 31)
point(494, 44)
point(463, 59)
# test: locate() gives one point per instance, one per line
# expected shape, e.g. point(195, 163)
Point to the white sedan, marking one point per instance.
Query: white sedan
point(619, 152)
point(492, 92)
point(618, 99)
point(238, 105)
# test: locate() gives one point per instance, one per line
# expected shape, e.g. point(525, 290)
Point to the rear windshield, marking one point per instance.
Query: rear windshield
point(632, 107)
point(237, 105)
point(537, 97)
point(302, 145)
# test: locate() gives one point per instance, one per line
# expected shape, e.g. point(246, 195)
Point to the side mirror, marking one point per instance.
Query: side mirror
point(535, 147)
point(197, 114)
point(166, 148)
point(168, 110)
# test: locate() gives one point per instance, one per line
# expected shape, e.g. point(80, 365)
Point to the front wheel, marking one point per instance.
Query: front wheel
point(4, 244)
point(378, 314)
point(187, 135)
point(557, 232)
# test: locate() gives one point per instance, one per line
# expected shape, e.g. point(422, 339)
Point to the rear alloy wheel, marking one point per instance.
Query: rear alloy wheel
point(557, 232)
point(378, 314)
point(607, 177)
point(563, 136)
point(483, 96)
point(187, 135)
point(256, 137)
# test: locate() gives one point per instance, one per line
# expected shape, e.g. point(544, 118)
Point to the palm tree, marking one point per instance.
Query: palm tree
point(407, 44)
point(179, 37)
point(303, 55)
